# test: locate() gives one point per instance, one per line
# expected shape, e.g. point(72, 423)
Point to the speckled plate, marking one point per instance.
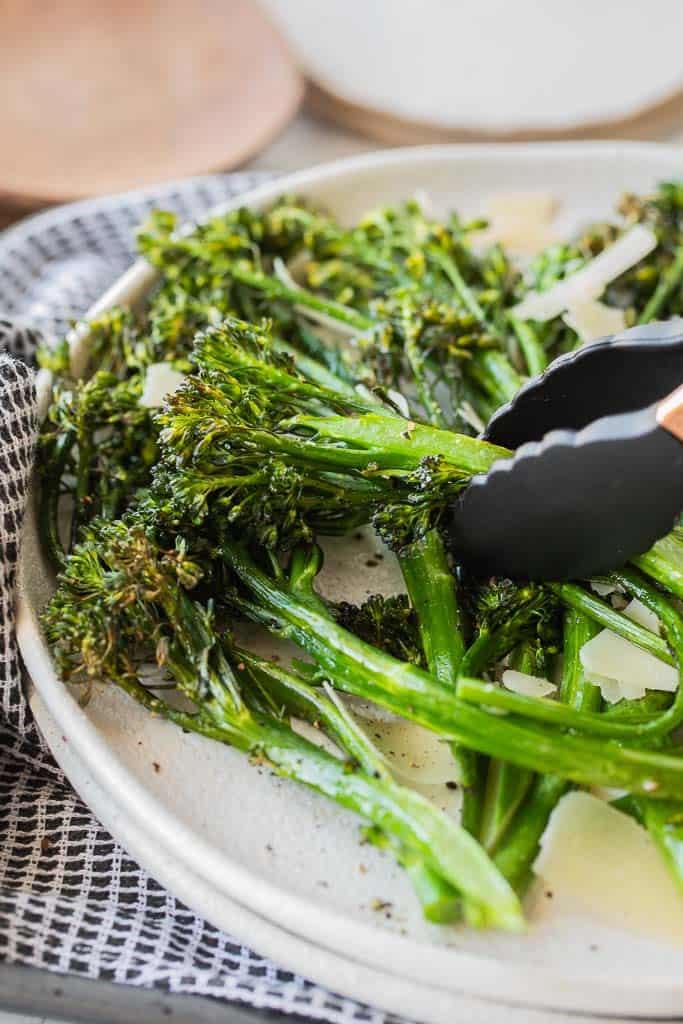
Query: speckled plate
point(283, 868)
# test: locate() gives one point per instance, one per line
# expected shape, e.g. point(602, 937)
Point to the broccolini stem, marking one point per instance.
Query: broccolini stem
point(464, 292)
point(605, 615)
point(416, 360)
point(360, 669)
point(439, 899)
point(431, 588)
point(668, 282)
point(415, 825)
point(532, 350)
point(317, 372)
point(275, 289)
point(506, 784)
point(521, 843)
point(490, 646)
point(664, 821)
point(556, 713)
point(491, 368)
point(520, 847)
point(393, 443)
point(432, 591)
point(664, 562)
point(495, 374)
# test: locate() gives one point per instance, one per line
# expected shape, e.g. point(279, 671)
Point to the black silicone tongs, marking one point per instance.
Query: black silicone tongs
point(597, 473)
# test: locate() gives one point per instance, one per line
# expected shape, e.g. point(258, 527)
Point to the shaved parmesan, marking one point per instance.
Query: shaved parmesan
point(520, 220)
point(598, 862)
point(282, 273)
point(591, 281)
point(610, 689)
point(161, 380)
point(592, 319)
point(603, 589)
point(527, 685)
point(637, 612)
point(622, 670)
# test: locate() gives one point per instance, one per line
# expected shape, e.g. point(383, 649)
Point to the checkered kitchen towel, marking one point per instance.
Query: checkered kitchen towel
point(71, 899)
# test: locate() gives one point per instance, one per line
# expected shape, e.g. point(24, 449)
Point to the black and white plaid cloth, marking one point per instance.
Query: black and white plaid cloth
point(71, 899)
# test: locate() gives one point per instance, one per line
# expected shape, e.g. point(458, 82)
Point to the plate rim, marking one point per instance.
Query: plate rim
point(336, 971)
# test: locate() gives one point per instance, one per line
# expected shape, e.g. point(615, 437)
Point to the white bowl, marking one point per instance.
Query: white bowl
point(490, 66)
point(209, 818)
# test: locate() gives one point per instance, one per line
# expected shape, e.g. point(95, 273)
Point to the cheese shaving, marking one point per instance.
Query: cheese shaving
point(598, 862)
point(637, 612)
point(521, 220)
point(592, 319)
point(527, 685)
point(590, 281)
point(622, 670)
point(338, 326)
point(602, 589)
point(161, 380)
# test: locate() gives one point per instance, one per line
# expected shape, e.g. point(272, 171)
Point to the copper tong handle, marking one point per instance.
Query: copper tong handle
point(670, 413)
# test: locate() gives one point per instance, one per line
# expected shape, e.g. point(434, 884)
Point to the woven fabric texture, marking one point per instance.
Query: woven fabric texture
point(71, 899)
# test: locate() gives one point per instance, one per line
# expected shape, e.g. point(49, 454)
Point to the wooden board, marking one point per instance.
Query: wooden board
point(101, 97)
point(649, 122)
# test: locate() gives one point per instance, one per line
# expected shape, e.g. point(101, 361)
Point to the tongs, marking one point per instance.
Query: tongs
point(597, 471)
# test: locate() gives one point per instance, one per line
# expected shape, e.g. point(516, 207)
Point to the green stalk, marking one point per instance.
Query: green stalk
point(668, 282)
point(506, 784)
point(664, 562)
point(360, 669)
point(320, 374)
point(495, 374)
point(275, 289)
point(534, 354)
point(488, 648)
point(521, 843)
point(490, 367)
point(462, 289)
point(439, 899)
point(432, 410)
point(415, 825)
point(601, 612)
point(393, 443)
point(558, 714)
point(432, 592)
point(664, 821)
point(398, 811)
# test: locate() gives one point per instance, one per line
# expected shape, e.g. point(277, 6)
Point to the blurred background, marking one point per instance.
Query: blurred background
point(106, 95)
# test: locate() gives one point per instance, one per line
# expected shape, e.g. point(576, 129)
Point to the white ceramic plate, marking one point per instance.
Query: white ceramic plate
point(290, 860)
